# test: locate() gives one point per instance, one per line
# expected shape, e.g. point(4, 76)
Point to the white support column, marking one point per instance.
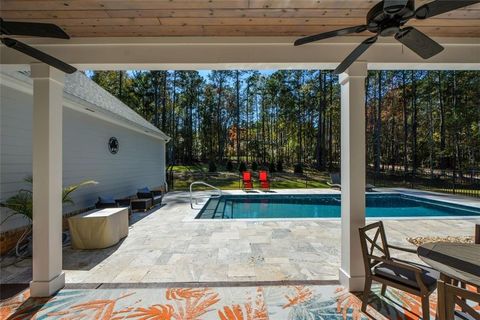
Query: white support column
point(352, 82)
point(48, 276)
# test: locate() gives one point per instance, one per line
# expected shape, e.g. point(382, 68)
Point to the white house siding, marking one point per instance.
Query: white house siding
point(139, 162)
point(15, 147)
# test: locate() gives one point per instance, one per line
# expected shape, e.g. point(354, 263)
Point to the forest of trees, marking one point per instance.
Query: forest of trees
point(416, 120)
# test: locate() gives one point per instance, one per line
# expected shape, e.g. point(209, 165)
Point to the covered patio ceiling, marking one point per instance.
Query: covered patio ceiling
point(233, 34)
point(146, 18)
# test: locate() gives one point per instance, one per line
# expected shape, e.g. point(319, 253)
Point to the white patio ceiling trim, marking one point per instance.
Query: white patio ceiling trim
point(196, 53)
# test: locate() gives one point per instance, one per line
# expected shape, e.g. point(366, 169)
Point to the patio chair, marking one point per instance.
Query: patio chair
point(106, 202)
point(109, 202)
point(336, 182)
point(146, 193)
point(247, 183)
point(413, 278)
point(453, 303)
point(264, 181)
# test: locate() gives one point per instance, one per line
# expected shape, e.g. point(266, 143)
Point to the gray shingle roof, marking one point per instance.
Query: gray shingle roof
point(81, 89)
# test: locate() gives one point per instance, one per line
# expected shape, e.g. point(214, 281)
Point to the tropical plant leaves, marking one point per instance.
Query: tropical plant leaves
point(22, 202)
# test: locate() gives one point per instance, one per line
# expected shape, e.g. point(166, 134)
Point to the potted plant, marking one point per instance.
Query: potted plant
point(22, 204)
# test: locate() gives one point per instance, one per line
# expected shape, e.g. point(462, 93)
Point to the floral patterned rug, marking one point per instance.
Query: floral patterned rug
point(221, 303)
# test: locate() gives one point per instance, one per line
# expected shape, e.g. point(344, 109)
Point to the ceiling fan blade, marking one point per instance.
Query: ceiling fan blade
point(441, 6)
point(419, 42)
point(39, 55)
point(355, 54)
point(33, 29)
point(394, 6)
point(330, 34)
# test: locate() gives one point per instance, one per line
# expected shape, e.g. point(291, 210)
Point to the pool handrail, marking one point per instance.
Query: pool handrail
point(218, 195)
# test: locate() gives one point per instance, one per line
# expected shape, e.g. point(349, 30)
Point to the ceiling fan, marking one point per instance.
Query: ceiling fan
point(386, 19)
point(34, 29)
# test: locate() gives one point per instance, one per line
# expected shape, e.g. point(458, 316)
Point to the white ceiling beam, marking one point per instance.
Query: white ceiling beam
point(185, 53)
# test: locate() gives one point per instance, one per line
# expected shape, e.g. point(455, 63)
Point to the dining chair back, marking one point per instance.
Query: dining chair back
point(374, 245)
point(382, 268)
point(457, 303)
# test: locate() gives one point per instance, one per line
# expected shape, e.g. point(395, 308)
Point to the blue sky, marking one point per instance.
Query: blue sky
point(203, 73)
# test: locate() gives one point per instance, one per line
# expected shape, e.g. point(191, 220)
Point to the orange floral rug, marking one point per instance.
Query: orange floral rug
point(223, 303)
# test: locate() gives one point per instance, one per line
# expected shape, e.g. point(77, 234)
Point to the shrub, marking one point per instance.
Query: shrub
point(242, 167)
point(271, 167)
point(298, 168)
point(280, 166)
point(212, 167)
point(229, 165)
point(254, 166)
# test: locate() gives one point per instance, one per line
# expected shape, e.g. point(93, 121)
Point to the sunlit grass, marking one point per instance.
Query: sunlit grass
point(185, 175)
point(231, 180)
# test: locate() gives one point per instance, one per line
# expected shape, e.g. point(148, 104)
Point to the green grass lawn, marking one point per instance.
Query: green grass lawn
point(231, 180)
point(186, 174)
point(191, 168)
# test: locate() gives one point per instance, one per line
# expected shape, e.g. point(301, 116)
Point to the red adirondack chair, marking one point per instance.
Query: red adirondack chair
point(247, 180)
point(264, 181)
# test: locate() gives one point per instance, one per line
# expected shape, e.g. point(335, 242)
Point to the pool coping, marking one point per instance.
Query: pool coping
point(427, 195)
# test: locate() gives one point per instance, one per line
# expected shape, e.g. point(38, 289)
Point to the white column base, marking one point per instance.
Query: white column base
point(47, 288)
point(352, 284)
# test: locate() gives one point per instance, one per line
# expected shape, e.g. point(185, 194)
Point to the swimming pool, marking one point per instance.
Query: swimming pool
point(391, 205)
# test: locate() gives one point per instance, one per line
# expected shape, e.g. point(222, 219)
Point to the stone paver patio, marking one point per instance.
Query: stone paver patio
point(167, 245)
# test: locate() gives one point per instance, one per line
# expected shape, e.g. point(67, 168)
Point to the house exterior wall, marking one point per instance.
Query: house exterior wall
point(140, 160)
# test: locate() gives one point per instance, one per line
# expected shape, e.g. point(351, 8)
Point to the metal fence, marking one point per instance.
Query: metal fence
point(465, 183)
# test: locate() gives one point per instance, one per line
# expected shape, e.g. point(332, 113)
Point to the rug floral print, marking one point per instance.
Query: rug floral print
point(232, 303)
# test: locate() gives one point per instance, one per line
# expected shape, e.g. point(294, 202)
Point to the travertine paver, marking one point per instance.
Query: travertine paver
point(168, 245)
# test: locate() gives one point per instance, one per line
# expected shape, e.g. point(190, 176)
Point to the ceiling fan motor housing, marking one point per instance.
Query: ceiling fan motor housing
point(388, 24)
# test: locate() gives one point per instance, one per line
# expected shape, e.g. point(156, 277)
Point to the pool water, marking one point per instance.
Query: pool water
point(390, 205)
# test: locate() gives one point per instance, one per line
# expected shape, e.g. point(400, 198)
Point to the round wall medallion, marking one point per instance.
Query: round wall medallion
point(113, 145)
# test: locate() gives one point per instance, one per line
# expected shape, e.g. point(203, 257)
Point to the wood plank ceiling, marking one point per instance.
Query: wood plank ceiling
point(145, 18)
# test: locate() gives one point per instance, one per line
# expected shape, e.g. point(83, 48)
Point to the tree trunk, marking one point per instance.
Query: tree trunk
point(219, 121)
point(247, 149)
point(378, 126)
point(238, 115)
point(442, 123)
point(174, 122)
point(319, 155)
point(414, 123)
point(330, 123)
point(155, 97)
point(393, 142)
point(164, 101)
point(405, 124)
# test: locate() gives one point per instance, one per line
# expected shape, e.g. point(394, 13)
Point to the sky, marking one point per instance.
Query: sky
point(203, 73)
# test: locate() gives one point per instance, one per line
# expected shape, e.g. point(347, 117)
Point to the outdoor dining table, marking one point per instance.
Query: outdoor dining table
point(458, 261)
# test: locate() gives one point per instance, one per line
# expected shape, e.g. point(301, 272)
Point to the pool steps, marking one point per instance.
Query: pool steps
point(210, 209)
